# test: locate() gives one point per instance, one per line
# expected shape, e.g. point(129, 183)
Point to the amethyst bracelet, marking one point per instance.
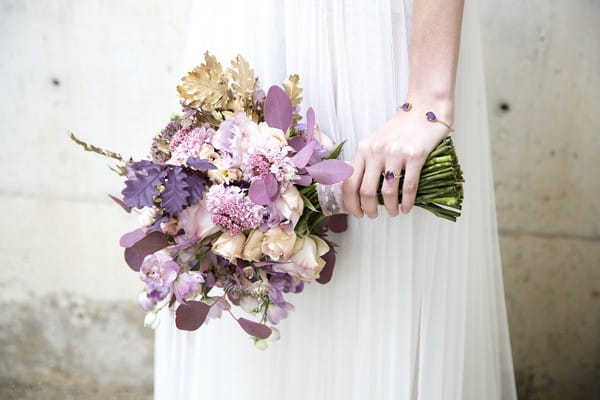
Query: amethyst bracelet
point(430, 115)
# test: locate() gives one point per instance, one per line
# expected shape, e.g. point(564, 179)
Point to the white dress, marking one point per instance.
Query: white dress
point(415, 309)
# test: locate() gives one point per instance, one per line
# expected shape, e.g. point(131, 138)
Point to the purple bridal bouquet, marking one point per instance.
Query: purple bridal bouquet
point(237, 198)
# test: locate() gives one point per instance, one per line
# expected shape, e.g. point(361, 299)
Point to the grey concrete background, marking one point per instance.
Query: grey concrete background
point(70, 327)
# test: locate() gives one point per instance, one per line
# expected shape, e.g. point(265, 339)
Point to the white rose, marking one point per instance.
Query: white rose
point(253, 246)
point(278, 243)
point(307, 256)
point(229, 246)
point(268, 133)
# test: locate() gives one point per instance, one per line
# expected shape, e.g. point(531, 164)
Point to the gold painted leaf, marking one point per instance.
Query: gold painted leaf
point(244, 80)
point(206, 86)
point(293, 89)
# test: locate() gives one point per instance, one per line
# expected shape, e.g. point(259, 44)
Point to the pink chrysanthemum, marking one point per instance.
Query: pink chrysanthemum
point(231, 210)
point(187, 142)
point(269, 159)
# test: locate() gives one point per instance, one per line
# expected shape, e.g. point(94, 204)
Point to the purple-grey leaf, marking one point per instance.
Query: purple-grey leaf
point(197, 184)
point(264, 191)
point(338, 223)
point(327, 271)
point(200, 164)
point(301, 158)
point(329, 172)
point(310, 123)
point(121, 203)
point(260, 331)
point(134, 255)
point(175, 196)
point(155, 227)
point(191, 315)
point(297, 142)
point(141, 188)
point(278, 108)
point(131, 238)
point(303, 180)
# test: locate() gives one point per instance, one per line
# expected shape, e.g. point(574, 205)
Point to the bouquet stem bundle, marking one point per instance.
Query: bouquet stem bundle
point(440, 188)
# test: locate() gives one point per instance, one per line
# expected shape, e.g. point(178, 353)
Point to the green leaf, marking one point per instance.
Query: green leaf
point(335, 153)
point(308, 203)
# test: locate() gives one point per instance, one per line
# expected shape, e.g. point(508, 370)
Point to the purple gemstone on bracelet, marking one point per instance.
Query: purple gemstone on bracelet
point(406, 107)
point(389, 176)
point(430, 116)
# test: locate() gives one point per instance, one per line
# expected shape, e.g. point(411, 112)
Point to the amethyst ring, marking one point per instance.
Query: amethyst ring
point(390, 176)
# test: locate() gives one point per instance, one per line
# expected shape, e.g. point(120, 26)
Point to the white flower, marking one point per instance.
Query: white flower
point(148, 216)
point(278, 244)
point(151, 320)
point(253, 246)
point(269, 134)
point(249, 304)
point(229, 246)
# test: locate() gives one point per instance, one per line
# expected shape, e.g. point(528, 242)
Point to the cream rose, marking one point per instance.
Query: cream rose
point(289, 206)
point(307, 256)
point(229, 246)
point(253, 246)
point(278, 244)
point(270, 133)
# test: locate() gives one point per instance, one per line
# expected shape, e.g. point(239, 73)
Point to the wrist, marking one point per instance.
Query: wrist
point(441, 103)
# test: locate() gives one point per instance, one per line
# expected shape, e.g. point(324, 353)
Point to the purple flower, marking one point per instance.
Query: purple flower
point(276, 313)
point(188, 142)
point(233, 137)
point(158, 271)
point(148, 300)
point(269, 159)
point(231, 210)
point(187, 285)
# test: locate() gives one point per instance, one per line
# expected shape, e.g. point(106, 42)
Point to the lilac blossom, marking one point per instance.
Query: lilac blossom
point(158, 271)
point(187, 285)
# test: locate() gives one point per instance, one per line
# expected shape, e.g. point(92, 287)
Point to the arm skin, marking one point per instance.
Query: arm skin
point(406, 139)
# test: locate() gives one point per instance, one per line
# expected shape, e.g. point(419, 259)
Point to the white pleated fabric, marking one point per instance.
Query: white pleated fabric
point(416, 308)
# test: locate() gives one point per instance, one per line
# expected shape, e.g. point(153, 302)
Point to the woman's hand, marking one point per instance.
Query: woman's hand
point(402, 144)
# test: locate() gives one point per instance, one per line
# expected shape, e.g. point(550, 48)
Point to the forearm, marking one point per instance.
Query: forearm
point(434, 47)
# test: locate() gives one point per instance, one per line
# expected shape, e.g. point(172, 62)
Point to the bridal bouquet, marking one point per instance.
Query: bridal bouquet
point(231, 201)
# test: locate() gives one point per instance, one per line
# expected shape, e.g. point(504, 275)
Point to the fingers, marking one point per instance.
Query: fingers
point(369, 186)
point(389, 189)
point(411, 182)
point(351, 187)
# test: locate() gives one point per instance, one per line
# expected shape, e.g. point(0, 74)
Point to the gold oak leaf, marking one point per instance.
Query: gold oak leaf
point(205, 86)
point(244, 80)
point(293, 89)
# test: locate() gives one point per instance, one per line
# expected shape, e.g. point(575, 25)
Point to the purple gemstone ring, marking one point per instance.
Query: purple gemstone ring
point(431, 117)
point(390, 176)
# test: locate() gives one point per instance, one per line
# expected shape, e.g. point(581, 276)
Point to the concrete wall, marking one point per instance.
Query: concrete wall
point(70, 327)
point(542, 63)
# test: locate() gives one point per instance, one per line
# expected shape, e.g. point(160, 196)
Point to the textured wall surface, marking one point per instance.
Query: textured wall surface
point(542, 67)
point(70, 326)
